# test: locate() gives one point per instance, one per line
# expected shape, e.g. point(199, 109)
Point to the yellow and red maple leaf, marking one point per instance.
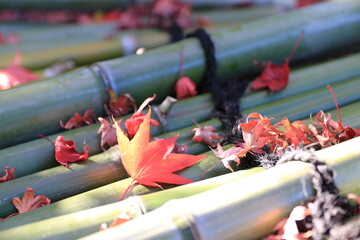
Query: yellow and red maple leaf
point(150, 163)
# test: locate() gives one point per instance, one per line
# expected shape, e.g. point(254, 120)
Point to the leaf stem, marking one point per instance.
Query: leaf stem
point(47, 139)
point(203, 175)
point(126, 189)
point(182, 61)
point(336, 102)
point(296, 45)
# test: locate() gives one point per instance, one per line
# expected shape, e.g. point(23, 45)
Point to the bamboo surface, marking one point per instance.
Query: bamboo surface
point(109, 194)
point(306, 86)
point(250, 207)
point(236, 48)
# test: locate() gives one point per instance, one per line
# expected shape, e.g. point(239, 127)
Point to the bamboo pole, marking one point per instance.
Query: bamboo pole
point(248, 208)
point(58, 183)
point(65, 31)
point(236, 48)
point(110, 193)
point(311, 80)
point(84, 51)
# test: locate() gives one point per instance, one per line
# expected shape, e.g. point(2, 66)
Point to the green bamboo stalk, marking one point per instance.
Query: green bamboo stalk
point(110, 193)
point(85, 51)
point(236, 48)
point(62, 31)
point(248, 208)
point(312, 80)
point(238, 15)
point(88, 221)
point(65, 31)
point(46, 116)
point(58, 183)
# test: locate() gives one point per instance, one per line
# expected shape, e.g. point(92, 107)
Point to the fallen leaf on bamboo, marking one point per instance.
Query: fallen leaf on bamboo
point(206, 134)
point(78, 120)
point(274, 76)
point(108, 133)
point(184, 86)
point(119, 106)
point(258, 132)
point(14, 75)
point(9, 174)
point(296, 132)
point(65, 151)
point(228, 155)
point(28, 202)
point(122, 218)
point(132, 124)
point(150, 163)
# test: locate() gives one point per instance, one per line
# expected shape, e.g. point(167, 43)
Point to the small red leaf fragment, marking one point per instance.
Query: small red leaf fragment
point(119, 106)
point(108, 133)
point(184, 86)
point(77, 120)
point(9, 174)
point(65, 151)
point(29, 203)
point(150, 163)
point(15, 75)
point(122, 218)
point(132, 124)
point(206, 134)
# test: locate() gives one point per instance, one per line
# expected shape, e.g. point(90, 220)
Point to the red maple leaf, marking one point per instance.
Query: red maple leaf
point(77, 120)
point(150, 163)
point(65, 151)
point(184, 86)
point(121, 105)
point(295, 132)
point(9, 174)
point(206, 134)
point(274, 76)
point(108, 133)
point(15, 75)
point(28, 202)
point(132, 124)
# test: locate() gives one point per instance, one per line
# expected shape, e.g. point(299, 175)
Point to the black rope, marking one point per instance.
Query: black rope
point(330, 208)
point(210, 60)
point(226, 91)
point(175, 31)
